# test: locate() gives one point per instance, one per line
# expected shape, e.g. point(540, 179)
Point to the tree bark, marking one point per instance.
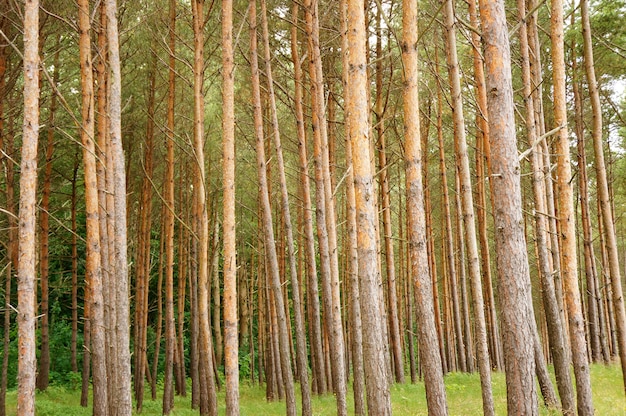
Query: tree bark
point(512, 260)
point(208, 396)
point(122, 389)
point(567, 220)
point(93, 267)
point(429, 351)
point(26, 289)
point(231, 344)
point(357, 119)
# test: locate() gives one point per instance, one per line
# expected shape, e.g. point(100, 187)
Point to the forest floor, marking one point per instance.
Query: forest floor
point(464, 398)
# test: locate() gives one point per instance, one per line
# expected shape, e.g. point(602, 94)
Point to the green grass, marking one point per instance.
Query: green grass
point(464, 398)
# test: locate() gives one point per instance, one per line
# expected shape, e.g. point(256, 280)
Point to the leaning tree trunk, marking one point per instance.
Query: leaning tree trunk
point(268, 227)
point(551, 307)
point(603, 190)
point(301, 353)
point(467, 208)
point(311, 270)
point(512, 260)
point(26, 289)
point(429, 350)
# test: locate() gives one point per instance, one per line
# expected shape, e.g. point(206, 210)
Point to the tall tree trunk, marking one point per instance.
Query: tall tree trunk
point(268, 228)
point(43, 374)
point(429, 351)
point(358, 128)
point(512, 260)
point(326, 220)
point(567, 220)
point(482, 159)
point(208, 397)
point(142, 274)
point(301, 353)
point(595, 304)
point(604, 198)
point(379, 110)
point(231, 345)
point(26, 286)
point(354, 316)
point(122, 389)
point(93, 266)
point(311, 269)
point(551, 308)
point(463, 164)
point(168, 220)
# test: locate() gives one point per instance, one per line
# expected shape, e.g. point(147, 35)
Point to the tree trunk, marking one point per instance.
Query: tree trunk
point(43, 374)
point(301, 353)
point(268, 228)
point(392, 301)
point(512, 260)
point(462, 161)
point(168, 220)
point(604, 198)
point(326, 220)
point(354, 298)
point(482, 158)
point(429, 351)
point(122, 390)
point(595, 304)
point(312, 281)
point(567, 220)
point(26, 286)
point(208, 397)
point(551, 307)
point(93, 266)
point(357, 120)
point(231, 345)
point(74, 226)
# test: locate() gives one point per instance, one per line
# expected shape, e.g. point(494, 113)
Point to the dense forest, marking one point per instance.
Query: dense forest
point(322, 198)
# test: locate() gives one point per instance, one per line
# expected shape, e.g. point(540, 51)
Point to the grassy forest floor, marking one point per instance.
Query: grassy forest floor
point(464, 398)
